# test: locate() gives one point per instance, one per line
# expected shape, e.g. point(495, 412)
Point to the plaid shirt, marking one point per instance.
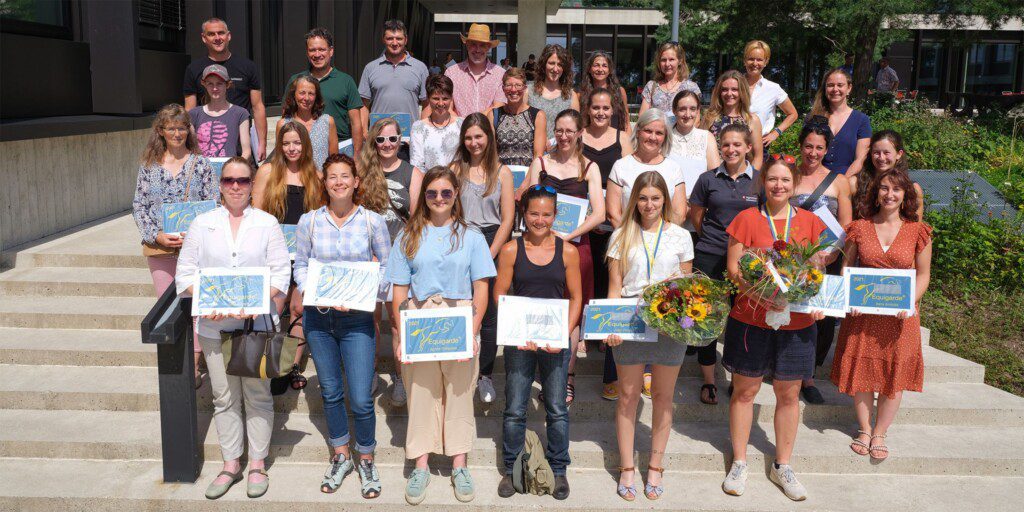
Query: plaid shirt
point(363, 236)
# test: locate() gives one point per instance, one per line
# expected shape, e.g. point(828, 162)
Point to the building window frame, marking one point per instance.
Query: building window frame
point(32, 28)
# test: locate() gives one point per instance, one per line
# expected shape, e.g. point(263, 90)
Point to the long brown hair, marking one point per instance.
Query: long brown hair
point(577, 150)
point(611, 87)
point(565, 80)
point(156, 146)
point(897, 178)
point(417, 223)
point(717, 106)
point(277, 185)
point(682, 71)
point(373, 186)
point(490, 163)
point(868, 173)
point(630, 231)
point(291, 106)
point(821, 106)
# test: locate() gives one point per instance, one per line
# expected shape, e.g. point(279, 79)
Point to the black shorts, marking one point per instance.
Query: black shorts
point(782, 355)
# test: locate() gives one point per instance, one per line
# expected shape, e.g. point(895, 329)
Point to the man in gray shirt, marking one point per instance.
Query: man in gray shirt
point(887, 79)
point(395, 82)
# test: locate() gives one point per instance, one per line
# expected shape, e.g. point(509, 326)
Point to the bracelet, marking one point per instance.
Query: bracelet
point(778, 131)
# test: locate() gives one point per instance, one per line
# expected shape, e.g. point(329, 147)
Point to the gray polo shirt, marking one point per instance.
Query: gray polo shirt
point(722, 199)
point(394, 88)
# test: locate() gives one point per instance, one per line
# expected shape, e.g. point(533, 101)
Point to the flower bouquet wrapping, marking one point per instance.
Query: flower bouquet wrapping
point(785, 273)
point(691, 310)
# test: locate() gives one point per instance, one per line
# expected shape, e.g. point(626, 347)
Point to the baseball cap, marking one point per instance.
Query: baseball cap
point(216, 69)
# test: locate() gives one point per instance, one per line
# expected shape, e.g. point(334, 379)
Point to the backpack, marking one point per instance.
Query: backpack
point(531, 473)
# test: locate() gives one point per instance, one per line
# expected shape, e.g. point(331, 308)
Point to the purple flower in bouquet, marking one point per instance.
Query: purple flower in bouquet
point(673, 286)
point(685, 322)
point(774, 255)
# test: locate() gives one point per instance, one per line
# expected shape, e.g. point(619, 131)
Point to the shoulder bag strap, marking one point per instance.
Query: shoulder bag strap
point(188, 177)
point(822, 187)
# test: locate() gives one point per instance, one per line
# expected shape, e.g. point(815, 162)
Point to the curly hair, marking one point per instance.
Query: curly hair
point(291, 106)
point(565, 80)
point(373, 186)
point(612, 86)
point(156, 145)
point(898, 178)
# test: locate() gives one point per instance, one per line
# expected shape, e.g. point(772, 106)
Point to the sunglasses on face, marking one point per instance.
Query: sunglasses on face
point(446, 194)
point(390, 138)
point(789, 159)
point(242, 182)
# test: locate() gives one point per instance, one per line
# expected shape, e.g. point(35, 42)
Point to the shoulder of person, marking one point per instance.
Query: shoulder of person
point(748, 214)
point(263, 218)
point(207, 218)
point(509, 249)
point(308, 217)
point(374, 217)
point(570, 250)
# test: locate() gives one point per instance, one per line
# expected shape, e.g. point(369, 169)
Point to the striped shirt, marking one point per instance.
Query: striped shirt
point(362, 237)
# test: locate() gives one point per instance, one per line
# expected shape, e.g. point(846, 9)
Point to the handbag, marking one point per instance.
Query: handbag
point(155, 250)
point(259, 354)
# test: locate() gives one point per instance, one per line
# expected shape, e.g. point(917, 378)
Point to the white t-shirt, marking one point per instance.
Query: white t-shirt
point(691, 153)
point(627, 169)
point(676, 247)
point(765, 96)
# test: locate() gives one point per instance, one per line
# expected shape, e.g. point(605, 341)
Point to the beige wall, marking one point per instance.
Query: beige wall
point(53, 184)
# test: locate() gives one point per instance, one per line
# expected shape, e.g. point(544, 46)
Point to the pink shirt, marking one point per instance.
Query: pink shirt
point(475, 95)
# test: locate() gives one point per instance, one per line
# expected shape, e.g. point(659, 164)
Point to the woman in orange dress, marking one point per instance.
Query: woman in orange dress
point(883, 353)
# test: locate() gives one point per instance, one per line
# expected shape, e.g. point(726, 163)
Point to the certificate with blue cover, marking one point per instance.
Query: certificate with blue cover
point(879, 291)
point(240, 290)
point(526, 319)
point(831, 299)
point(603, 317)
point(572, 211)
point(289, 238)
point(179, 216)
point(217, 163)
point(404, 120)
point(348, 284)
point(436, 334)
point(519, 173)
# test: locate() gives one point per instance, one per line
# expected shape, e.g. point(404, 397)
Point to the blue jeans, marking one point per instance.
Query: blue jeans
point(339, 339)
point(520, 367)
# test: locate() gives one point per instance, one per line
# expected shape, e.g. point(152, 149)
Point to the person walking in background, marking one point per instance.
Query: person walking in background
point(395, 82)
point(438, 262)
point(435, 68)
point(882, 354)
point(539, 265)
point(886, 154)
point(434, 139)
point(520, 130)
point(245, 90)
point(477, 81)
point(552, 91)
point(304, 104)
point(671, 75)
point(766, 96)
point(340, 94)
point(449, 61)
point(222, 129)
point(730, 104)
point(851, 128)
point(653, 145)
point(236, 235)
point(887, 79)
point(600, 74)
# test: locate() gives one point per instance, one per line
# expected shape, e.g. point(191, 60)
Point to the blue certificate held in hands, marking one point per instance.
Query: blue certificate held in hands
point(217, 163)
point(603, 317)
point(879, 291)
point(403, 119)
point(572, 211)
point(239, 290)
point(348, 284)
point(289, 238)
point(830, 300)
point(179, 216)
point(437, 334)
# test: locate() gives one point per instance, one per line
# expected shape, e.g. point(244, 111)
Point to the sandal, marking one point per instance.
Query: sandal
point(653, 492)
point(370, 478)
point(297, 380)
point(570, 390)
point(858, 444)
point(340, 468)
point(626, 492)
point(879, 447)
point(711, 397)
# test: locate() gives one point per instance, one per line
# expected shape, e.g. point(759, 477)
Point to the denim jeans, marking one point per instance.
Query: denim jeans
point(335, 340)
point(520, 367)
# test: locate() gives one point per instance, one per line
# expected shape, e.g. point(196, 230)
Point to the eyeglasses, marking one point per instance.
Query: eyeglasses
point(390, 138)
point(446, 194)
point(789, 159)
point(175, 129)
point(544, 188)
point(569, 133)
point(242, 182)
point(514, 87)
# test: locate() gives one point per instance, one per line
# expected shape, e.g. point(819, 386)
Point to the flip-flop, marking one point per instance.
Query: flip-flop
point(712, 394)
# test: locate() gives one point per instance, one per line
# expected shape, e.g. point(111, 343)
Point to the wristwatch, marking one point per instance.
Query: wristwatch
point(778, 131)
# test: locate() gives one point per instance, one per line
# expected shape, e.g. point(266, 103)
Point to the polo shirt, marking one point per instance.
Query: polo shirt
point(472, 94)
point(244, 76)
point(394, 88)
point(340, 95)
point(887, 79)
point(765, 96)
point(722, 199)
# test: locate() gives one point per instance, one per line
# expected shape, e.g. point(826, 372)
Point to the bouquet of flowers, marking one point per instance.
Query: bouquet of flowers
point(691, 310)
point(784, 273)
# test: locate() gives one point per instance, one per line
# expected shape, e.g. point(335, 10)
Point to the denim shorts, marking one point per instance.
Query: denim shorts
point(782, 355)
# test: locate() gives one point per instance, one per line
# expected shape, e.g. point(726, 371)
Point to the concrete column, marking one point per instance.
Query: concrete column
point(533, 29)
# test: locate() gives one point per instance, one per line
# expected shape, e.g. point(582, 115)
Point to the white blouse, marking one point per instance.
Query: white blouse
point(676, 247)
point(208, 243)
point(430, 146)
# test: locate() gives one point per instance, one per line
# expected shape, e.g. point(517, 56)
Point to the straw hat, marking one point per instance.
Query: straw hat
point(481, 34)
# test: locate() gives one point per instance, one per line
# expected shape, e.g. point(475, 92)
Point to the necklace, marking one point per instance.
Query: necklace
point(444, 124)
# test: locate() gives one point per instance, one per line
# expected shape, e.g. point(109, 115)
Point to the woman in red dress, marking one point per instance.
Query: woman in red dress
point(883, 353)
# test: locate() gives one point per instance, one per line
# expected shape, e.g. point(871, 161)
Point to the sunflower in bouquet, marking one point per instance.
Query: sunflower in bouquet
point(691, 310)
point(785, 273)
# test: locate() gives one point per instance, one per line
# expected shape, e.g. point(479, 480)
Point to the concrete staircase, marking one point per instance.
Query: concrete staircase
point(79, 421)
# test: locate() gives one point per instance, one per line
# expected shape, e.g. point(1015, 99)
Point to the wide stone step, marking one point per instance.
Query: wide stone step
point(135, 389)
point(109, 243)
point(75, 347)
point(916, 449)
point(116, 485)
point(65, 312)
point(64, 281)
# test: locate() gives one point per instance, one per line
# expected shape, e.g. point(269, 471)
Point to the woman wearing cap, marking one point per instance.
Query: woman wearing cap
point(552, 91)
point(304, 104)
point(222, 129)
point(766, 96)
point(671, 75)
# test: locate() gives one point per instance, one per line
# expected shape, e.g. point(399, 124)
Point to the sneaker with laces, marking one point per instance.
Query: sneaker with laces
point(398, 396)
point(462, 481)
point(736, 481)
point(610, 392)
point(416, 487)
point(485, 386)
point(782, 475)
point(340, 467)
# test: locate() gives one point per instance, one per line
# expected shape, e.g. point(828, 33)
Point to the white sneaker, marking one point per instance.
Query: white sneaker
point(736, 481)
point(398, 392)
point(783, 476)
point(486, 388)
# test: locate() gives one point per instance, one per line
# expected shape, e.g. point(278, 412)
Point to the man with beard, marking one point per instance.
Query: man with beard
point(477, 80)
point(395, 82)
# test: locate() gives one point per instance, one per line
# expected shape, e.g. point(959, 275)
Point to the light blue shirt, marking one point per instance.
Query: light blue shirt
point(437, 269)
point(363, 236)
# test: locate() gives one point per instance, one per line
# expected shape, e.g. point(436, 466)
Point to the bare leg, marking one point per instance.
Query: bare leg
point(231, 466)
point(887, 409)
point(257, 478)
point(421, 461)
point(862, 403)
point(458, 461)
point(663, 387)
point(631, 379)
point(787, 418)
point(741, 413)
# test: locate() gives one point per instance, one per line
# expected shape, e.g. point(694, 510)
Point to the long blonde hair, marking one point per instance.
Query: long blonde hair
point(490, 163)
point(417, 223)
point(277, 185)
point(373, 186)
point(156, 146)
point(627, 237)
point(821, 106)
point(682, 71)
point(717, 107)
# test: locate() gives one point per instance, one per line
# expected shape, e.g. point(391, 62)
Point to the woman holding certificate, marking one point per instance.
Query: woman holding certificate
point(539, 265)
point(566, 171)
point(444, 264)
point(236, 235)
point(875, 353)
point(343, 231)
point(753, 350)
point(647, 248)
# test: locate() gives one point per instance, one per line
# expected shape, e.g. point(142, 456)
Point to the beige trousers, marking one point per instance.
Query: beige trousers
point(440, 398)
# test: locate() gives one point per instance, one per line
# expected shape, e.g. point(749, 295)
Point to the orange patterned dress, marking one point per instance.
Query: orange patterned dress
point(878, 353)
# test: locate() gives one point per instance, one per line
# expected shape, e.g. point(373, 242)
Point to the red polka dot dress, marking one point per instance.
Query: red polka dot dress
point(876, 353)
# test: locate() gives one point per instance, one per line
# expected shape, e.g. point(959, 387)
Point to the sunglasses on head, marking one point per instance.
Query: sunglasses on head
point(445, 194)
point(390, 138)
point(789, 159)
point(242, 182)
point(545, 188)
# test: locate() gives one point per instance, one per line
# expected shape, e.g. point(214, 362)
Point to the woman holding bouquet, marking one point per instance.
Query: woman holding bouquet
point(753, 350)
point(883, 353)
point(646, 249)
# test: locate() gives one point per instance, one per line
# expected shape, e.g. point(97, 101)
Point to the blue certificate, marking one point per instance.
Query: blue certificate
point(403, 118)
point(881, 291)
point(217, 163)
point(572, 211)
point(350, 284)
point(519, 173)
point(289, 238)
point(438, 334)
point(231, 291)
point(615, 316)
point(179, 216)
point(831, 299)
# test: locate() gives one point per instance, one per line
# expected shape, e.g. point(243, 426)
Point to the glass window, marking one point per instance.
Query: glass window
point(576, 49)
point(44, 12)
point(557, 35)
point(931, 70)
point(991, 67)
point(630, 63)
point(599, 37)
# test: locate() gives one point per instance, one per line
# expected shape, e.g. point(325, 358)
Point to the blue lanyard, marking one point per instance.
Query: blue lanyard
point(651, 256)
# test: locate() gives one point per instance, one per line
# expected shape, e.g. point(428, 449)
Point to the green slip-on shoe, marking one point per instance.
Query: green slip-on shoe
point(416, 488)
point(215, 491)
point(258, 489)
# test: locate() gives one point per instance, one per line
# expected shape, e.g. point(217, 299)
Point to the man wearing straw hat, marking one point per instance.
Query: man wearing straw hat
point(477, 80)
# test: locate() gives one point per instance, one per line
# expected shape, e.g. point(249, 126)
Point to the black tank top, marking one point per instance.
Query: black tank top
point(568, 186)
point(539, 282)
point(294, 204)
point(604, 158)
